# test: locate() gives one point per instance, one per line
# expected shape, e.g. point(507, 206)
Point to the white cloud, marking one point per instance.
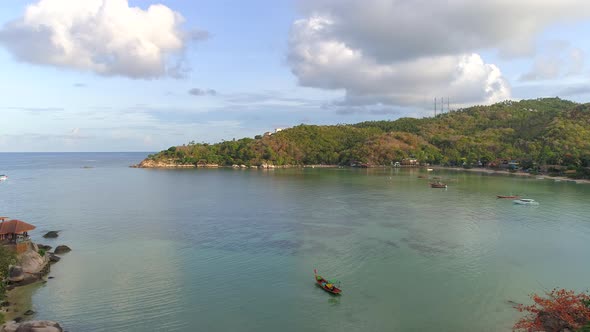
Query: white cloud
point(319, 60)
point(400, 29)
point(558, 60)
point(399, 52)
point(104, 36)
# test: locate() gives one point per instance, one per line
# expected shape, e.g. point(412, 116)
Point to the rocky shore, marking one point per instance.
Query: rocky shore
point(32, 267)
point(171, 163)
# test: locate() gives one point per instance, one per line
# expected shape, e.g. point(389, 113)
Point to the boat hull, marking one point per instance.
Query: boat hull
point(322, 281)
point(503, 196)
point(519, 202)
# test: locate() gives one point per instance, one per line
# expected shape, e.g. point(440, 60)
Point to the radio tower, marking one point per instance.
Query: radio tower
point(435, 107)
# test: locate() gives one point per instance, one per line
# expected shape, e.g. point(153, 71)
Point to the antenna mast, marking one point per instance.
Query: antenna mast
point(434, 106)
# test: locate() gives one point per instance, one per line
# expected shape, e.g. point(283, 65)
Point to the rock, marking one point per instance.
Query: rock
point(31, 261)
point(31, 326)
point(15, 273)
point(61, 249)
point(18, 319)
point(51, 235)
point(44, 247)
point(4, 304)
point(53, 258)
point(29, 312)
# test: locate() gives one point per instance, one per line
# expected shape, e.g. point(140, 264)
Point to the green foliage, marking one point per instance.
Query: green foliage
point(547, 131)
point(7, 258)
point(42, 252)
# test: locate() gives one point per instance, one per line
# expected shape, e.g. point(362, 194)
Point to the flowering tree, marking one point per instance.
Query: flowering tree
point(559, 310)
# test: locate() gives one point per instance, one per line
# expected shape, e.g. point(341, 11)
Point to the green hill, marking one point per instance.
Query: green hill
point(547, 131)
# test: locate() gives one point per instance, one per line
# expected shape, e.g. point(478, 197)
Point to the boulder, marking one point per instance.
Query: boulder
point(32, 326)
point(51, 235)
point(61, 249)
point(15, 273)
point(44, 247)
point(29, 312)
point(31, 261)
point(53, 258)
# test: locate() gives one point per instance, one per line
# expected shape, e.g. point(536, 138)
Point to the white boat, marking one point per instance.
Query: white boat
point(525, 201)
point(429, 169)
point(3, 177)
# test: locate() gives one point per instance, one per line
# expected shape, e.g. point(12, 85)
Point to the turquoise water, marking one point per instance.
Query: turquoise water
point(234, 250)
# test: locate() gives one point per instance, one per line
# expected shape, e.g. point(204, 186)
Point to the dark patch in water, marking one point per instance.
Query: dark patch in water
point(397, 225)
point(424, 247)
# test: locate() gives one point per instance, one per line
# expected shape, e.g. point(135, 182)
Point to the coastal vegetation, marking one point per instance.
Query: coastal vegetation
point(7, 258)
point(548, 133)
point(557, 310)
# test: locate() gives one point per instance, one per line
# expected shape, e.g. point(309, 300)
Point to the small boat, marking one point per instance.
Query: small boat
point(3, 177)
point(331, 287)
point(438, 185)
point(508, 196)
point(525, 201)
point(429, 170)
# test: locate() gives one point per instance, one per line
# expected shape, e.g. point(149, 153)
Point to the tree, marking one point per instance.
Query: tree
point(561, 309)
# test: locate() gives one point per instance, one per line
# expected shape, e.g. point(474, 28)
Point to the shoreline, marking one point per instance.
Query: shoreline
point(504, 173)
point(456, 169)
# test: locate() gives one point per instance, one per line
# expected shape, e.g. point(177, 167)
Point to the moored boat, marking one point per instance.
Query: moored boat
point(438, 185)
point(3, 177)
point(508, 196)
point(525, 201)
point(331, 287)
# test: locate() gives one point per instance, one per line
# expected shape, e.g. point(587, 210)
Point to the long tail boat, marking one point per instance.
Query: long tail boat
point(508, 196)
point(327, 285)
point(438, 185)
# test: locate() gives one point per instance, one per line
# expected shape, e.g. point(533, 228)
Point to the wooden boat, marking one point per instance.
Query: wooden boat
point(438, 185)
point(508, 196)
point(328, 286)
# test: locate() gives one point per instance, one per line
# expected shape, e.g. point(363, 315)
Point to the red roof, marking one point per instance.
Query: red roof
point(15, 227)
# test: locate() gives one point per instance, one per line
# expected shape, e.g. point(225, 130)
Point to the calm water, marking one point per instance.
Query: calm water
point(234, 250)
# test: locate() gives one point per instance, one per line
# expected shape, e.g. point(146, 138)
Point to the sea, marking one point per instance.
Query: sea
point(235, 249)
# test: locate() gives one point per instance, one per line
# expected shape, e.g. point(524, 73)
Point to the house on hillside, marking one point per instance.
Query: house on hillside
point(409, 162)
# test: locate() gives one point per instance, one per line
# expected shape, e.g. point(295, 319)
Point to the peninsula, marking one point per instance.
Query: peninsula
point(545, 134)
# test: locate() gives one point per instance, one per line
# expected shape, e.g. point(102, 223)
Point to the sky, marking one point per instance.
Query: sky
point(142, 75)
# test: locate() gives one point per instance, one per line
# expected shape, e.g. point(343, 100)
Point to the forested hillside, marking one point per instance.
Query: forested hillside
point(547, 131)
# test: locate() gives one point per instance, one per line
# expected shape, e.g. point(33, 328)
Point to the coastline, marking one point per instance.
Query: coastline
point(507, 173)
point(160, 165)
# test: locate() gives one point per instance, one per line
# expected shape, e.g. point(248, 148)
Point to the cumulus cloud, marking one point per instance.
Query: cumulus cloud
point(104, 36)
point(398, 52)
point(202, 92)
point(401, 29)
point(321, 60)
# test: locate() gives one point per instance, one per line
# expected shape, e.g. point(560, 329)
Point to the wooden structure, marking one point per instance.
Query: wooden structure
point(14, 231)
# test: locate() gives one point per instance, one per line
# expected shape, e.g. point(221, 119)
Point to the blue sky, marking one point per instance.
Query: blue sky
point(261, 65)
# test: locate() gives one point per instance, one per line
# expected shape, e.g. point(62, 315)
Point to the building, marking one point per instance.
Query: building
point(15, 231)
point(409, 162)
point(14, 234)
point(278, 129)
